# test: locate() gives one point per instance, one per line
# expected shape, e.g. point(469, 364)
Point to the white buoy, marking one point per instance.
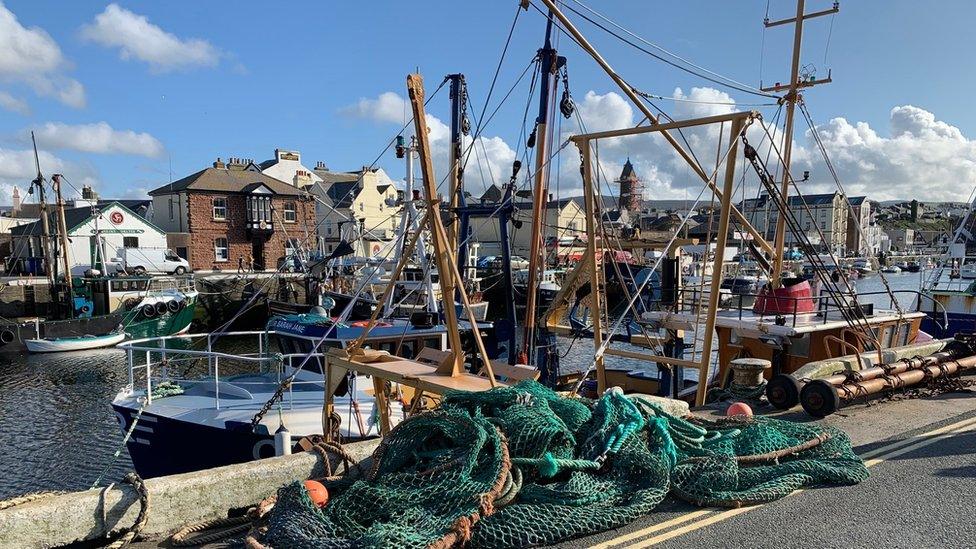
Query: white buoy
point(282, 442)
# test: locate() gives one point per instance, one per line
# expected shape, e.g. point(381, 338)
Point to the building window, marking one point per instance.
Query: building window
point(130, 241)
point(220, 249)
point(290, 215)
point(259, 209)
point(328, 228)
point(220, 208)
point(172, 211)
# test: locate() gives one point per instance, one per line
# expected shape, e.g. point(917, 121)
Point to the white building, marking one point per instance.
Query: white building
point(118, 226)
point(350, 203)
point(287, 166)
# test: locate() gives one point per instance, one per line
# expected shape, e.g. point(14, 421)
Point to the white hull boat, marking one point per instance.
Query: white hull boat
point(83, 343)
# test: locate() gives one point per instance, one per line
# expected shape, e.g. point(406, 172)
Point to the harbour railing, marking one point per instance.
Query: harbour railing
point(155, 360)
point(825, 308)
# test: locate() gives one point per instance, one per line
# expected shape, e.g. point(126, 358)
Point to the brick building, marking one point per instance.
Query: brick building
point(232, 212)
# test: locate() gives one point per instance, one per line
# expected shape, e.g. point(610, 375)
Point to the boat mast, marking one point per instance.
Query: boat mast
point(629, 92)
point(415, 87)
point(549, 63)
point(38, 182)
point(459, 127)
point(410, 221)
point(63, 238)
point(792, 97)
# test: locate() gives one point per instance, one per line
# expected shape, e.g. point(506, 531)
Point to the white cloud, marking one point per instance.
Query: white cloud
point(14, 104)
point(17, 168)
point(97, 138)
point(30, 56)
point(490, 161)
point(923, 157)
point(137, 38)
point(920, 151)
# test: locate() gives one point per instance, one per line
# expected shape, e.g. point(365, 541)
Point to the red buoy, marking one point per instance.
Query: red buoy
point(317, 492)
point(739, 409)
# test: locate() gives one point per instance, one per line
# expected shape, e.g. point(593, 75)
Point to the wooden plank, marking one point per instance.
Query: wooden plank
point(516, 372)
point(653, 358)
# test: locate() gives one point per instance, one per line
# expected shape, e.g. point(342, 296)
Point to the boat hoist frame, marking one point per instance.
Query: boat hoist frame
point(738, 122)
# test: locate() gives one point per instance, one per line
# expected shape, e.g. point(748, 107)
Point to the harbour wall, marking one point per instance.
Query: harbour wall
point(175, 500)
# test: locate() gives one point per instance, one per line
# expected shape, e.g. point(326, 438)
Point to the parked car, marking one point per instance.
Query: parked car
point(149, 260)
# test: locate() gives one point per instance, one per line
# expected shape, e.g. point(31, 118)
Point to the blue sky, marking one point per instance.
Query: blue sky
point(241, 78)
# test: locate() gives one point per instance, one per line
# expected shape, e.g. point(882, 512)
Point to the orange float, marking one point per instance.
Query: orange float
point(317, 492)
point(739, 409)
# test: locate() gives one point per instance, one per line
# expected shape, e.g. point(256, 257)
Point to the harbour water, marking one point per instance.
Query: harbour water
point(58, 431)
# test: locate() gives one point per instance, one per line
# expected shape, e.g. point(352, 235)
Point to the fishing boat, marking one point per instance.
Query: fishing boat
point(105, 308)
point(94, 310)
point(863, 267)
point(221, 415)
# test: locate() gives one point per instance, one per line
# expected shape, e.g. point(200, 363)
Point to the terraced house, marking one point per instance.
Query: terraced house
point(231, 214)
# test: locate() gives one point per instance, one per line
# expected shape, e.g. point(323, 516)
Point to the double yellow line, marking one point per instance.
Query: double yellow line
point(711, 516)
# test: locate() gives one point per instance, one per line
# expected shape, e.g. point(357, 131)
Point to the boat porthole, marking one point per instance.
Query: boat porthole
point(259, 451)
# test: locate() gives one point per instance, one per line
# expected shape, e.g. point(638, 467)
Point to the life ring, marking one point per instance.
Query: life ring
point(7, 336)
point(364, 323)
point(173, 305)
point(160, 308)
point(149, 311)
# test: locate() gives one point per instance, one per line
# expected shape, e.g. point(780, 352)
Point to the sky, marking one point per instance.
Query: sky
point(123, 96)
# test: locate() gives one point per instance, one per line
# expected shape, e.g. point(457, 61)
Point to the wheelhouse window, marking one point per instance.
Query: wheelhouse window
point(290, 212)
point(130, 241)
point(220, 209)
point(220, 249)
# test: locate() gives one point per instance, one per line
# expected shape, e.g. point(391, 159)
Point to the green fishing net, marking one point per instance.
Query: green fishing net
point(521, 466)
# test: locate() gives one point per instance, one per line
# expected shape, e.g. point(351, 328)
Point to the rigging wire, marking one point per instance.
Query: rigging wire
point(728, 82)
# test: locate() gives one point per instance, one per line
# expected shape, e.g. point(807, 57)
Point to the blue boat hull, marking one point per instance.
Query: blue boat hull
point(958, 322)
point(165, 446)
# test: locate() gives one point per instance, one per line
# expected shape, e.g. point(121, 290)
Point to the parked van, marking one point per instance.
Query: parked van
point(150, 260)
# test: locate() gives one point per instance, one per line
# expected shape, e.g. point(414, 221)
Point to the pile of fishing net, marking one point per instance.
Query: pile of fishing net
point(519, 466)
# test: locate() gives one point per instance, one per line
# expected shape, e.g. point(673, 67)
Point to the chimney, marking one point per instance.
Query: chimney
point(550, 197)
point(16, 202)
point(218, 164)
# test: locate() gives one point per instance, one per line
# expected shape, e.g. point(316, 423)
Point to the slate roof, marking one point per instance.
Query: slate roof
point(812, 199)
point(342, 194)
point(73, 217)
point(336, 177)
point(628, 171)
point(225, 180)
